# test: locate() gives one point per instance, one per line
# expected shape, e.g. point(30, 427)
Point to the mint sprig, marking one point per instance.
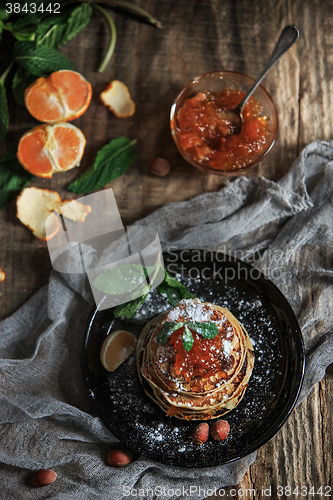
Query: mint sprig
point(112, 282)
point(112, 160)
point(167, 330)
point(39, 60)
point(173, 290)
point(207, 330)
point(188, 339)
point(31, 41)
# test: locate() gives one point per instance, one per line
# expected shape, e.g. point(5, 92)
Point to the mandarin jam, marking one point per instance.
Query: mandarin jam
point(203, 359)
point(203, 134)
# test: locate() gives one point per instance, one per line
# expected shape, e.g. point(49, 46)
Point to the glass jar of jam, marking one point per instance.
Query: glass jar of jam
point(202, 135)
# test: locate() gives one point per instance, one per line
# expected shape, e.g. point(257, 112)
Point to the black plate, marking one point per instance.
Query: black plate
point(273, 388)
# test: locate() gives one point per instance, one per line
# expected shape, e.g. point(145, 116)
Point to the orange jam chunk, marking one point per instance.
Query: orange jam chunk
point(204, 358)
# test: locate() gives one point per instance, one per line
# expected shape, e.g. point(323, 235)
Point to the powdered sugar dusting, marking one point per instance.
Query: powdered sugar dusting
point(227, 347)
point(194, 310)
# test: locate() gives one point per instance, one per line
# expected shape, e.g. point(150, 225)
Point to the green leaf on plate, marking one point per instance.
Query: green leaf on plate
point(188, 339)
point(167, 330)
point(41, 60)
point(111, 162)
point(207, 330)
point(129, 309)
point(173, 290)
point(122, 279)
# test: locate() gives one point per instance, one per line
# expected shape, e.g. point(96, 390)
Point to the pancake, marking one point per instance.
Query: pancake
point(203, 376)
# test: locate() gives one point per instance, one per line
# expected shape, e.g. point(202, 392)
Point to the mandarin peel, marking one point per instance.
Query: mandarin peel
point(117, 98)
point(36, 206)
point(75, 211)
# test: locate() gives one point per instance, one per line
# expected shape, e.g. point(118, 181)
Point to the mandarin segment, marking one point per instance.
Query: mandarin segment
point(51, 148)
point(63, 96)
point(69, 143)
point(33, 154)
point(116, 348)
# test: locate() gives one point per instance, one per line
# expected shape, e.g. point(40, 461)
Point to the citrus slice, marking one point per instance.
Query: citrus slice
point(63, 96)
point(51, 148)
point(116, 348)
point(35, 206)
point(118, 99)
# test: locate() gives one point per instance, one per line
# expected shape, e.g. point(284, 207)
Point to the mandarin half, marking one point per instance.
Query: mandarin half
point(63, 96)
point(51, 148)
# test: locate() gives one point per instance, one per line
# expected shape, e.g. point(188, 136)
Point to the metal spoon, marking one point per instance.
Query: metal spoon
point(287, 38)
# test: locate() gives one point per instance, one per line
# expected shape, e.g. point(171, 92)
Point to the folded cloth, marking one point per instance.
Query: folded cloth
point(46, 417)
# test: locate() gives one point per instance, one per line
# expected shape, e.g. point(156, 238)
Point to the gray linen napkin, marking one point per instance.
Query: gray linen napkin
point(46, 418)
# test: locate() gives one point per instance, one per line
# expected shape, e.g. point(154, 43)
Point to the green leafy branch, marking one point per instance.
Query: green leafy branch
point(112, 282)
point(207, 330)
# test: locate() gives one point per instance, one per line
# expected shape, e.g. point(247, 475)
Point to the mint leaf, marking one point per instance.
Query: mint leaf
point(57, 30)
point(4, 114)
point(167, 330)
point(41, 60)
point(111, 162)
point(13, 177)
point(207, 330)
point(22, 31)
point(122, 279)
point(173, 290)
point(129, 309)
point(4, 198)
point(188, 339)
point(22, 79)
point(4, 15)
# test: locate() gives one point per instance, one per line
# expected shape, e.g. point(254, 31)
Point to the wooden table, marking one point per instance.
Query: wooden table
point(198, 36)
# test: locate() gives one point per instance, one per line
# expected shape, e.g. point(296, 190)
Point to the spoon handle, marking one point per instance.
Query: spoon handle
point(287, 38)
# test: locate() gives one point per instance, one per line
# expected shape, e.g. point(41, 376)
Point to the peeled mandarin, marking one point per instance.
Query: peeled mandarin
point(51, 148)
point(63, 96)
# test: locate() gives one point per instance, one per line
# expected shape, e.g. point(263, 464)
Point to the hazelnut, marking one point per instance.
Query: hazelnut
point(159, 166)
point(44, 477)
point(219, 430)
point(118, 457)
point(200, 433)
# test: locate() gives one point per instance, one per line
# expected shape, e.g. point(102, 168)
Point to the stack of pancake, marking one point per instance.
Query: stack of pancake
point(205, 391)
